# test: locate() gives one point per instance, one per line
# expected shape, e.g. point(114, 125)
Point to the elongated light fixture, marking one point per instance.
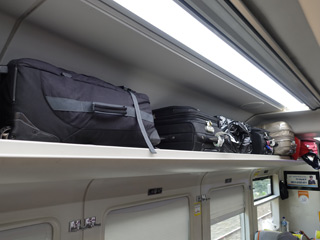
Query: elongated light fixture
point(175, 21)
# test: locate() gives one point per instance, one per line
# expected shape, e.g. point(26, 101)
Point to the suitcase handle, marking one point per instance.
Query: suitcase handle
point(109, 109)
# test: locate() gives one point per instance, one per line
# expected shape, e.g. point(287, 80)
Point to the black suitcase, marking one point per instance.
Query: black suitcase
point(41, 102)
point(186, 128)
point(262, 142)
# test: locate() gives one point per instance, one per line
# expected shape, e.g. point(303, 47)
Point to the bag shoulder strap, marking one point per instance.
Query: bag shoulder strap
point(315, 162)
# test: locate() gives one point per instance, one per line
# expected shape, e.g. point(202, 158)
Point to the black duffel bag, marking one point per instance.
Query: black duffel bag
point(41, 102)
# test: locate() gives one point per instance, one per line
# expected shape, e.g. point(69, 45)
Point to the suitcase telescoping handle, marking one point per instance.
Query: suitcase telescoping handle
point(109, 109)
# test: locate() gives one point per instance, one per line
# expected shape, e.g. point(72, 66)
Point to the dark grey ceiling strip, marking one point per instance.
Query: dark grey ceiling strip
point(278, 51)
point(17, 24)
point(230, 26)
point(259, 28)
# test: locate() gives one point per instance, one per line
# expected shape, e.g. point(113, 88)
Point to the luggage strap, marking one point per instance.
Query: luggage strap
point(142, 128)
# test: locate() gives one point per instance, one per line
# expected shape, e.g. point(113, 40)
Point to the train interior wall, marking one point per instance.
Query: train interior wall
point(58, 202)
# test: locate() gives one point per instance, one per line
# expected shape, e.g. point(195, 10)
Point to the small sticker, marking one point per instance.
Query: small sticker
point(299, 236)
point(228, 180)
point(257, 172)
point(303, 196)
point(197, 209)
point(154, 191)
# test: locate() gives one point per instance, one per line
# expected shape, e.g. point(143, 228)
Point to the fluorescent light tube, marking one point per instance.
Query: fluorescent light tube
point(172, 19)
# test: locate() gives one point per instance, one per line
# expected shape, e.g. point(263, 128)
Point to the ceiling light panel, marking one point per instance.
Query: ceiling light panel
point(175, 21)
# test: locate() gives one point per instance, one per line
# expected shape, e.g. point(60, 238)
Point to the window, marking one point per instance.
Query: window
point(266, 203)
point(229, 229)
point(264, 214)
point(167, 219)
point(34, 232)
point(262, 188)
point(227, 213)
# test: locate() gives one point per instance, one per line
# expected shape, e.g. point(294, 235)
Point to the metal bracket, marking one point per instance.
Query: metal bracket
point(75, 225)
point(202, 198)
point(89, 222)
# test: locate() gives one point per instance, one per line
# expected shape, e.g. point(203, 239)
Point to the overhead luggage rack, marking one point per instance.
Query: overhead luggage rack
point(26, 161)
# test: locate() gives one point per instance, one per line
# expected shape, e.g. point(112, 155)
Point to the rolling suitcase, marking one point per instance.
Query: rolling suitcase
point(41, 102)
point(186, 128)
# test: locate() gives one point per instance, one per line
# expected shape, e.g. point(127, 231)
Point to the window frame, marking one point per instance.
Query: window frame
point(271, 195)
point(243, 219)
point(272, 198)
point(242, 226)
point(31, 225)
point(151, 202)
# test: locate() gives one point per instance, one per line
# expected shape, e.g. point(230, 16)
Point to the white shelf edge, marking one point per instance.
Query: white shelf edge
point(26, 161)
point(30, 149)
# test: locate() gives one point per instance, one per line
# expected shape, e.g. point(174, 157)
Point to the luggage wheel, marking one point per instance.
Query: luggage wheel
point(4, 132)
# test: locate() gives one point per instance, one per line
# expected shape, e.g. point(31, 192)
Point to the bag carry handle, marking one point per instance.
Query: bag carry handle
point(140, 123)
point(109, 109)
point(72, 105)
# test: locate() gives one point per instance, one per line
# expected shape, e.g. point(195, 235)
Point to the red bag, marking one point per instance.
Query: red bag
point(300, 150)
point(306, 154)
point(311, 146)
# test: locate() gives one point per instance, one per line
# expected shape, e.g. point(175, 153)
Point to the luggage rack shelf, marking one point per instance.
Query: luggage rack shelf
point(38, 161)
